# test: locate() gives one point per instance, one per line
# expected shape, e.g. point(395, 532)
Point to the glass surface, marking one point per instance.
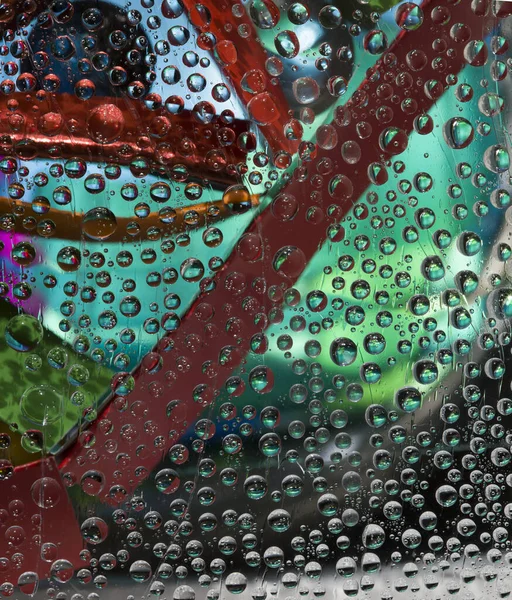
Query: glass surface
point(255, 298)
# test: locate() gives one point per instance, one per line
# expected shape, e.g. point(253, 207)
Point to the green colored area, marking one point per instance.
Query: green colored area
point(381, 5)
point(42, 393)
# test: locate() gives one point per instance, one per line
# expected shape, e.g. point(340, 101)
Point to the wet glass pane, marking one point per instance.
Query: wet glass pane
point(255, 299)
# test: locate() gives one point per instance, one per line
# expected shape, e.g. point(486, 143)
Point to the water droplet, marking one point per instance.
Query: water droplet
point(94, 530)
point(46, 492)
point(99, 223)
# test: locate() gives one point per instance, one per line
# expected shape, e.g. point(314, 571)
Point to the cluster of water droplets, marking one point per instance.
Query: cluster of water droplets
point(362, 444)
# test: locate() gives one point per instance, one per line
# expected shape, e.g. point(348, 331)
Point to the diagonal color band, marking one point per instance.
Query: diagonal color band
point(275, 249)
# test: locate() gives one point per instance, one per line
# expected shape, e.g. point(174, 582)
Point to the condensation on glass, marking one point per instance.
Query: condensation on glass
point(255, 299)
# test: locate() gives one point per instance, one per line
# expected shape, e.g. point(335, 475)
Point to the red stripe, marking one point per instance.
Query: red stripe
point(162, 139)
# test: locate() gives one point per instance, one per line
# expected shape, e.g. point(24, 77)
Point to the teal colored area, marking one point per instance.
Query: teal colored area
point(425, 154)
point(140, 271)
point(62, 402)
